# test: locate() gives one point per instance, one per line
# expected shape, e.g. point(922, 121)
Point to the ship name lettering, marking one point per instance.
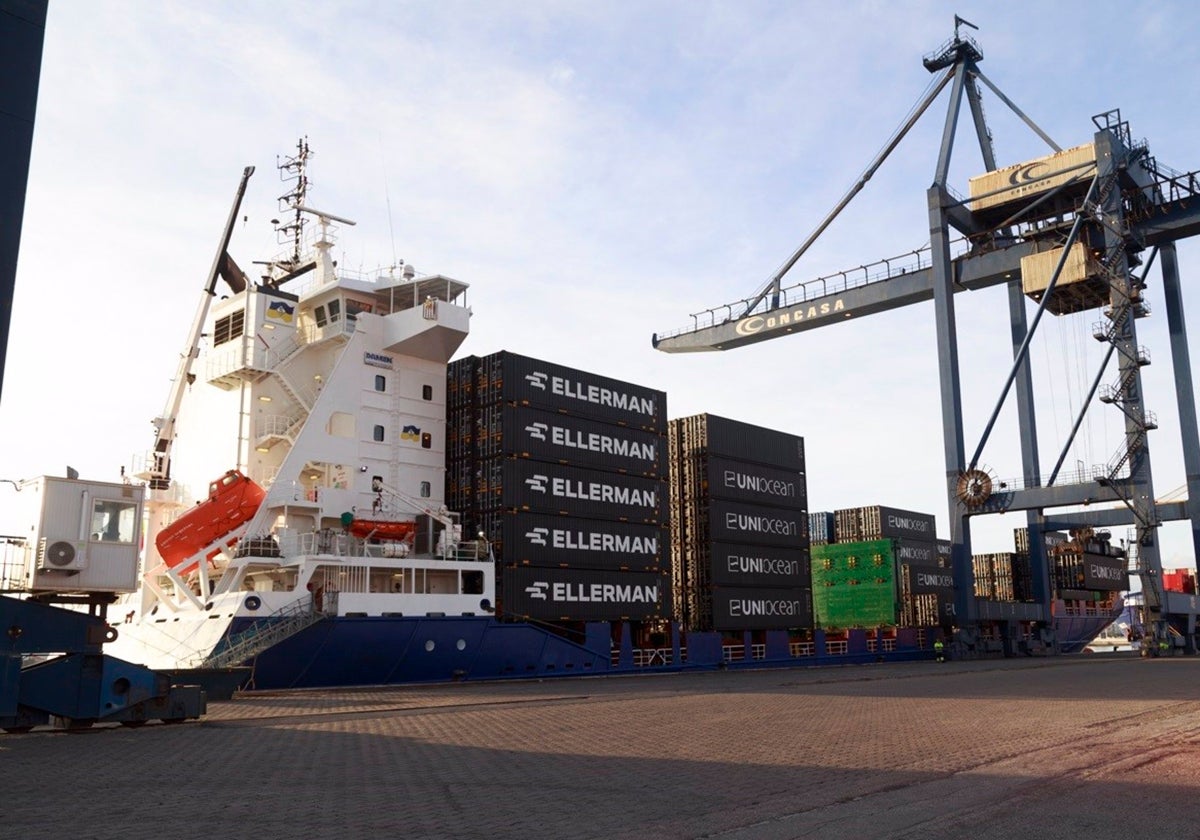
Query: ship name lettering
point(605, 593)
point(761, 524)
point(1105, 572)
point(598, 541)
point(908, 523)
point(931, 579)
point(744, 607)
point(760, 484)
point(596, 492)
point(762, 565)
point(598, 395)
point(594, 442)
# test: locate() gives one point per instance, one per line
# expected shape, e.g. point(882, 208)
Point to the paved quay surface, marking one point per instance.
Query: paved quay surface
point(1104, 746)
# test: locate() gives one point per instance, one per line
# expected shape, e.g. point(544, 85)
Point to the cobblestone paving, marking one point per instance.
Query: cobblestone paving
point(1090, 746)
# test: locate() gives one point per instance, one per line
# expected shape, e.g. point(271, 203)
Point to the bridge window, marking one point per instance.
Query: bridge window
point(472, 583)
point(228, 328)
point(113, 521)
point(380, 382)
point(427, 392)
point(378, 434)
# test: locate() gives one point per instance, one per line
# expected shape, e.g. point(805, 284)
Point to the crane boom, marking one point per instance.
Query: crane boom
point(158, 473)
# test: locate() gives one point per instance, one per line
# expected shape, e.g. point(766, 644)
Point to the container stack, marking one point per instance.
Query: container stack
point(739, 526)
point(1179, 580)
point(921, 576)
point(821, 528)
point(854, 584)
point(563, 472)
point(461, 410)
point(1003, 576)
point(926, 585)
point(1082, 566)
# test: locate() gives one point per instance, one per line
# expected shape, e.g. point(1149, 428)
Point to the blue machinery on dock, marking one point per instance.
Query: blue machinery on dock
point(82, 686)
point(1108, 204)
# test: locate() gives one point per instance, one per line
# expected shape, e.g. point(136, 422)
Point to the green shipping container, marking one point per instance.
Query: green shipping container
point(854, 585)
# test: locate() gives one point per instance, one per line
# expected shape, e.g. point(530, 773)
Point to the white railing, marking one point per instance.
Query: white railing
point(651, 657)
point(15, 556)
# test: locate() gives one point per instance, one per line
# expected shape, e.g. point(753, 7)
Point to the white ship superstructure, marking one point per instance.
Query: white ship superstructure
point(328, 391)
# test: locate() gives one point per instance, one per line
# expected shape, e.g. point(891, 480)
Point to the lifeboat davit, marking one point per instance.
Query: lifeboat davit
point(233, 499)
point(380, 529)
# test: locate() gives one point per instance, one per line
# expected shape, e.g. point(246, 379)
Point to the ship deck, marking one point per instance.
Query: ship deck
point(1084, 746)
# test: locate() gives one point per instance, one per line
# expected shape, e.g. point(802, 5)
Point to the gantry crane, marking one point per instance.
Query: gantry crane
point(1070, 231)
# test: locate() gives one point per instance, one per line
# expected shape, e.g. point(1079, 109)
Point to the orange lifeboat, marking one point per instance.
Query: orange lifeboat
point(233, 499)
point(380, 529)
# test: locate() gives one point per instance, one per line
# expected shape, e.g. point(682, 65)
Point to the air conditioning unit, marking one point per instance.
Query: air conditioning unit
point(61, 555)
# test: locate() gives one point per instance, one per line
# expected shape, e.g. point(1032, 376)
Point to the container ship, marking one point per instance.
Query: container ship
point(394, 516)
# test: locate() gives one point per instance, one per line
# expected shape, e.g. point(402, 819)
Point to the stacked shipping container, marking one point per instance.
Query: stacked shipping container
point(821, 528)
point(1080, 566)
point(854, 584)
point(564, 473)
point(739, 526)
point(909, 570)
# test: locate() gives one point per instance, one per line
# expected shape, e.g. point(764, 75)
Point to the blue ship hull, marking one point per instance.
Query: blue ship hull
point(392, 650)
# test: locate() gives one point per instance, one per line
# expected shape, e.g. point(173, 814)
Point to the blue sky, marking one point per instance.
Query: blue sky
point(596, 172)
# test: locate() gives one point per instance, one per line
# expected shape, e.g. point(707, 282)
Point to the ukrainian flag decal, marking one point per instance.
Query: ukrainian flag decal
point(281, 310)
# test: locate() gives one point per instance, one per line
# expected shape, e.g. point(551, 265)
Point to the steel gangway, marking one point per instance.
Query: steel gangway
point(269, 631)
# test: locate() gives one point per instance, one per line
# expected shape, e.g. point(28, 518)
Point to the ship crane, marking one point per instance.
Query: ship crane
point(1067, 231)
point(158, 472)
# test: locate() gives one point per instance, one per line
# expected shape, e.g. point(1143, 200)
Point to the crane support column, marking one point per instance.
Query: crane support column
point(951, 390)
point(1136, 491)
point(1184, 391)
point(1027, 427)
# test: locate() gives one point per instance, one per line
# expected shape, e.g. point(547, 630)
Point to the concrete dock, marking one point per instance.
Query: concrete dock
point(1094, 746)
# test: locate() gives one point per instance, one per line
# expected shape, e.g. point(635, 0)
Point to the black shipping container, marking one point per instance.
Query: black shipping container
point(507, 377)
point(928, 610)
point(876, 522)
point(1104, 573)
point(741, 481)
point(757, 565)
point(584, 595)
point(736, 608)
point(543, 540)
point(721, 436)
point(1049, 539)
point(581, 442)
point(742, 524)
point(944, 550)
point(460, 382)
point(930, 579)
point(524, 484)
point(916, 553)
point(821, 528)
